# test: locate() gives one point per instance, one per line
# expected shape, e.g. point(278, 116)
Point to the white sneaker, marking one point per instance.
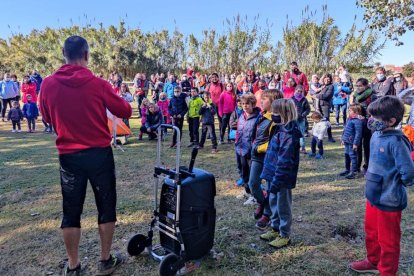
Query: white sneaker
point(13, 130)
point(242, 195)
point(19, 130)
point(250, 201)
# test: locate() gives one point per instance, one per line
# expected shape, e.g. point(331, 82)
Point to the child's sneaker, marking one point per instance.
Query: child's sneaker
point(318, 156)
point(13, 130)
point(71, 272)
point(311, 154)
point(19, 130)
point(250, 201)
point(351, 175)
point(270, 235)
point(109, 266)
point(258, 212)
point(344, 173)
point(363, 266)
point(280, 242)
point(239, 182)
point(262, 223)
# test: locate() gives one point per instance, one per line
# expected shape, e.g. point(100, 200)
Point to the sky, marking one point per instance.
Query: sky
point(187, 16)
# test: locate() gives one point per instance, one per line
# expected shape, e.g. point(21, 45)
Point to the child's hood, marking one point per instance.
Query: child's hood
point(292, 128)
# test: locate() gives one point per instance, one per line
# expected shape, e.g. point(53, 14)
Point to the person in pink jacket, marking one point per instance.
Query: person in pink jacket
point(163, 105)
point(226, 106)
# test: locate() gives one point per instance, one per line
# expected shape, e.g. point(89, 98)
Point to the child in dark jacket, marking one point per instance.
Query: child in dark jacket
point(390, 171)
point(246, 130)
point(234, 118)
point(351, 139)
point(153, 121)
point(207, 112)
point(280, 170)
point(177, 108)
point(15, 115)
point(303, 109)
point(30, 112)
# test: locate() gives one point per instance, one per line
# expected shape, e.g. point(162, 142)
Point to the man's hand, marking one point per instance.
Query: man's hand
point(355, 147)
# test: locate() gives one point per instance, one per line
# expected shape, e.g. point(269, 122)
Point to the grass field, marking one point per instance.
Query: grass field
point(327, 228)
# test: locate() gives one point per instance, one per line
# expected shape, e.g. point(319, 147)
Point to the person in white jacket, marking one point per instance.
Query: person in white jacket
point(319, 130)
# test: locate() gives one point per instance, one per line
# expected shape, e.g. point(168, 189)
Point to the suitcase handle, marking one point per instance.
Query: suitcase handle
point(194, 153)
point(178, 150)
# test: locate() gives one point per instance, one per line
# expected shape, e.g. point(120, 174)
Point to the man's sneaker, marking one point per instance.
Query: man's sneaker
point(318, 156)
point(280, 242)
point(239, 182)
point(258, 212)
point(250, 201)
point(270, 235)
point(109, 266)
point(242, 195)
point(312, 154)
point(351, 175)
point(344, 173)
point(262, 223)
point(71, 272)
point(363, 267)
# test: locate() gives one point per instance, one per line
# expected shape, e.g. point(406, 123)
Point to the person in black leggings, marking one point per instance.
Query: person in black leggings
point(325, 100)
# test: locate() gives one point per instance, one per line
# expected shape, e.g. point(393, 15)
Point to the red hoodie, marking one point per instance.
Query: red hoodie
point(74, 101)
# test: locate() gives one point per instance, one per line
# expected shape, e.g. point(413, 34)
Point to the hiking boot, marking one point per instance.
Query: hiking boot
point(318, 156)
point(312, 154)
point(72, 272)
point(258, 212)
point(363, 266)
point(344, 173)
point(239, 182)
point(250, 201)
point(263, 223)
point(270, 235)
point(280, 242)
point(351, 175)
point(109, 266)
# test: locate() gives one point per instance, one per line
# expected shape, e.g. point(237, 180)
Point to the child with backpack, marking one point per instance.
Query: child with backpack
point(280, 170)
point(177, 108)
point(207, 112)
point(390, 171)
point(351, 139)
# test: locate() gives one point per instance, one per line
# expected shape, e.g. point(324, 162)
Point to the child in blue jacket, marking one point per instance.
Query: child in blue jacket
point(177, 108)
point(340, 99)
point(390, 171)
point(30, 112)
point(280, 170)
point(351, 139)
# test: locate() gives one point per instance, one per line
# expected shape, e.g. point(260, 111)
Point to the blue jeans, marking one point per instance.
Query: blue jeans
point(302, 128)
point(316, 141)
point(281, 206)
point(256, 169)
point(340, 109)
point(351, 158)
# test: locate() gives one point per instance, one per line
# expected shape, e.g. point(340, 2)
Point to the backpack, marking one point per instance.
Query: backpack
point(408, 131)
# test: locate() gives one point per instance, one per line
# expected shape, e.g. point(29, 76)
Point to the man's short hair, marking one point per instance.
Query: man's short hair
point(75, 47)
point(387, 107)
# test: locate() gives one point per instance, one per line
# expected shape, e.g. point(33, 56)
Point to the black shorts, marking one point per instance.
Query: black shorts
point(96, 165)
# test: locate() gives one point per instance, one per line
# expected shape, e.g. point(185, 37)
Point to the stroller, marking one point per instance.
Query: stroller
point(185, 217)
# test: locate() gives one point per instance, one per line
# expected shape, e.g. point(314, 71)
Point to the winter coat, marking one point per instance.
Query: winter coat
point(194, 106)
point(320, 129)
point(215, 89)
point(178, 106)
point(207, 113)
point(154, 120)
point(288, 92)
point(37, 79)
point(383, 88)
point(390, 170)
point(300, 78)
point(8, 90)
point(353, 131)
point(169, 89)
point(325, 96)
point(15, 114)
point(30, 110)
point(246, 130)
point(281, 163)
point(29, 89)
point(227, 103)
point(264, 130)
point(302, 107)
point(253, 86)
point(340, 95)
point(234, 117)
point(163, 105)
point(185, 86)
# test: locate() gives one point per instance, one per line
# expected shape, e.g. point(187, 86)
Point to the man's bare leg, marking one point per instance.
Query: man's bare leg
point(106, 232)
point(71, 237)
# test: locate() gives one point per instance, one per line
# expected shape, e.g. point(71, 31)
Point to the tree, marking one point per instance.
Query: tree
point(393, 18)
point(408, 69)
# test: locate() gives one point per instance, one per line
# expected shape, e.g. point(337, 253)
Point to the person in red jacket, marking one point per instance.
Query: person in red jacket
point(75, 103)
point(251, 80)
point(28, 88)
point(215, 87)
point(299, 77)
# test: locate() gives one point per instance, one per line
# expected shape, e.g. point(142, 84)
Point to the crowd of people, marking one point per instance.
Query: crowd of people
point(266, 117)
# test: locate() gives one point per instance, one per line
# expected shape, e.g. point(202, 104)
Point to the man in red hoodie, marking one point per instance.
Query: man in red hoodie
point(74, 101)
